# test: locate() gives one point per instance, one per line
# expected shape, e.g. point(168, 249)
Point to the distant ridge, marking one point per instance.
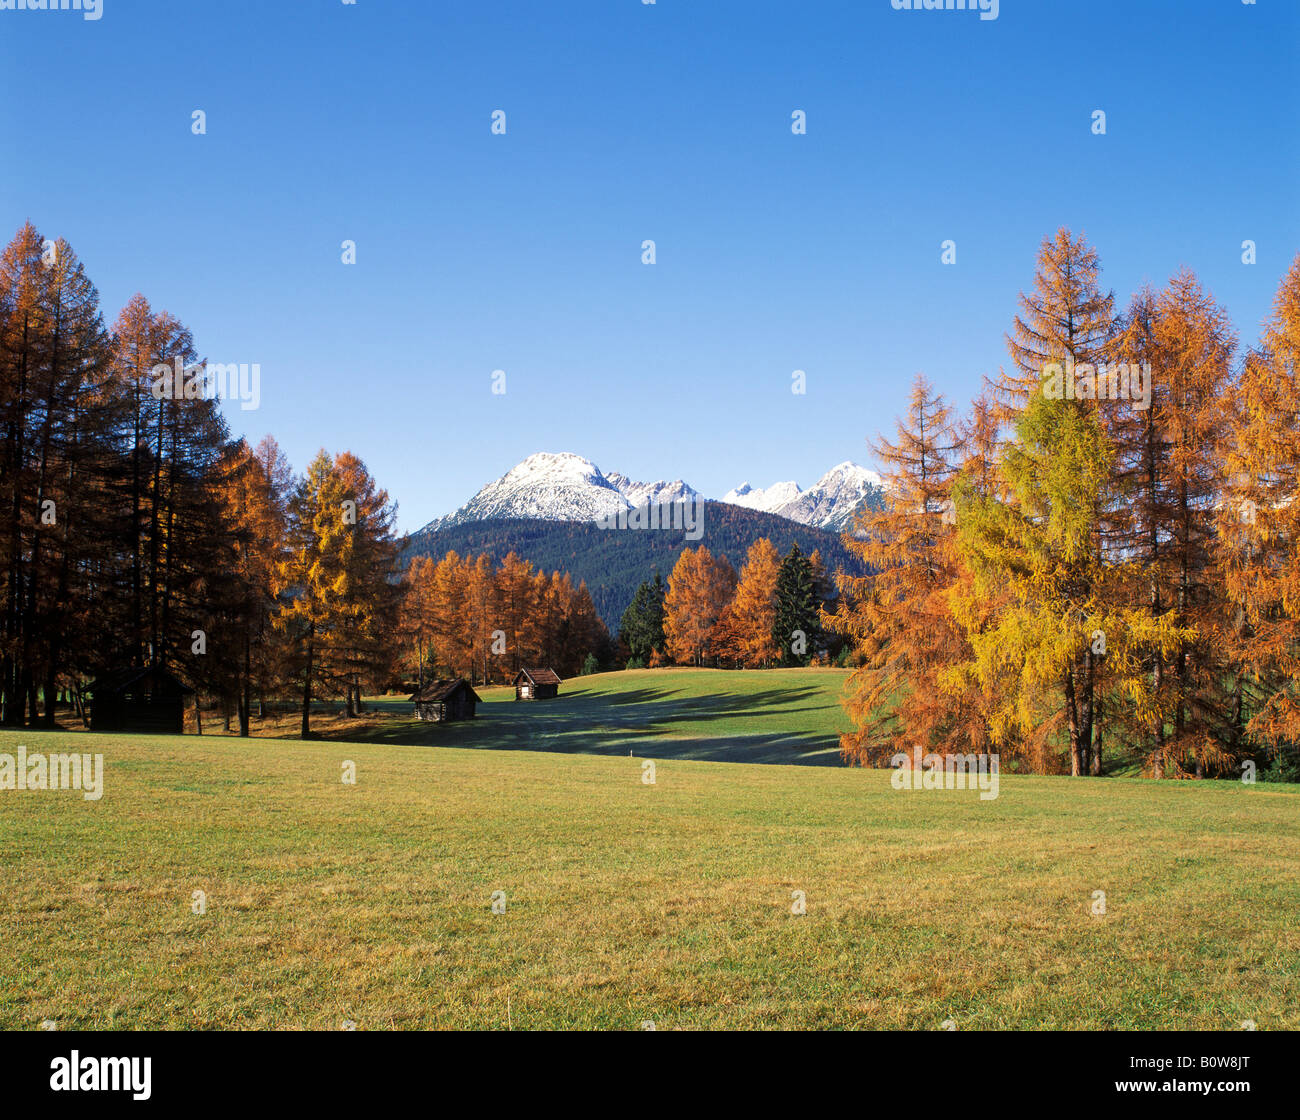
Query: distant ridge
point(829, 504)
point(613, 562)
point(562, 486)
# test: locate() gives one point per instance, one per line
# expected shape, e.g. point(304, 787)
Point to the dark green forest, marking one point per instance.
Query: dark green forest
point(613, 562)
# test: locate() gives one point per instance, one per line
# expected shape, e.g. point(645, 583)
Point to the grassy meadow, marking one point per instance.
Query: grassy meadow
point(788, 716)
point(371, 903)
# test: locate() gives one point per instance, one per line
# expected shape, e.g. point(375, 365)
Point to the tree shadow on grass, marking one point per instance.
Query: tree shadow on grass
point(647, 722)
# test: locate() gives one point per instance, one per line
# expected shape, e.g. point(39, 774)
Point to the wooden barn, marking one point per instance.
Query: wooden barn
point(443, 701)
point(139, 699)
point(536, 684)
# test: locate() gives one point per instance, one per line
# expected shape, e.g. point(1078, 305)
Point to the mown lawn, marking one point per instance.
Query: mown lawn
point(625, 902)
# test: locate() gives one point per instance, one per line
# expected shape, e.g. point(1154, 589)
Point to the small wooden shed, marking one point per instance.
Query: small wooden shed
point(536, 684)
point(443, 701)
point(136, 698)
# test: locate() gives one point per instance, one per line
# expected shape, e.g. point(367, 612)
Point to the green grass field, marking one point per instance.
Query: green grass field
point(770, 715)
point(372, 903)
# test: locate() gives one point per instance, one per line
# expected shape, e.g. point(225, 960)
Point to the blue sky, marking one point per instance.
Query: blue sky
point(626, 122)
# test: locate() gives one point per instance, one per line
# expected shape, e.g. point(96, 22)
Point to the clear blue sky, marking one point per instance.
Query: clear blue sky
point(628, 121)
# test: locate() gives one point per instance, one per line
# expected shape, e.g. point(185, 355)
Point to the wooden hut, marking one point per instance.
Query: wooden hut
point(536, 684)
point(443, 701)
point(139, 699)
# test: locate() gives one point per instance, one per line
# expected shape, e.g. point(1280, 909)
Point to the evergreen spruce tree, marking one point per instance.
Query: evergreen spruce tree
point(795, 628)
point(641, 628)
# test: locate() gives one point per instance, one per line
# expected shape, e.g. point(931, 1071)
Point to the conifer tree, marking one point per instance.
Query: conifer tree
point(417, 615)
point(1259, 527)
point(794, 618)
point(253, 510)
point(897, 616)
point(1064, 317)
point(1168, 479)
point(1062, 627)
point(746, 631)
point(642, 626)
point(360, 649)
point(699, 589)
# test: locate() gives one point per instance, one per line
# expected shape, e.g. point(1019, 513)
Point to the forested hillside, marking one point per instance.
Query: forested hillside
point(613, 562)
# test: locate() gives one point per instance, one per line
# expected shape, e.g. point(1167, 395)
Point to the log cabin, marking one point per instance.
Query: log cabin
point(135, 698)
point(445, 700)
point(536, 684)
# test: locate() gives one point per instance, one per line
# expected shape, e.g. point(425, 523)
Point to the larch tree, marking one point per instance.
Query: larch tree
point(416, 622)
point(446, 609)
point(58, 416)
point(361, 648)
point(314, 578)
point(747, 628)
point(1061, 628)
point(897, 616)
point(699, 589)
point(1259, 526)
point(481, 614)
point(1064, 317)
point(254, 510)
point(1176, 479)
point(516, 604)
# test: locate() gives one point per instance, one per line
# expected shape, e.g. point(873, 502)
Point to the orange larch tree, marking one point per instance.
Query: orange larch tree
point(898, 616)
point(699, 590)
point(1259, 526)
point(746, 628)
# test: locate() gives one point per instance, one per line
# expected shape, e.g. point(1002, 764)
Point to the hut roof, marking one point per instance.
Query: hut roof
point(435, 692)
point(119, 680)
point(538, 676)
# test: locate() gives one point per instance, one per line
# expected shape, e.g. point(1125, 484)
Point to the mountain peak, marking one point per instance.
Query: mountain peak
point(554, 464)
point(562, 486)
point(830, 504)
point(851, 470)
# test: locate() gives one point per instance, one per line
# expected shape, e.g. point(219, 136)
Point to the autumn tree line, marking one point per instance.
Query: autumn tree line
point(468, 617)
point(140, 532)
point(769, 614)
point(1072, 575)
point(1068, 575)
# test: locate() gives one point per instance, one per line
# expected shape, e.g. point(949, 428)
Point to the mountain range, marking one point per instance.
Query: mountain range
point(561, 486)
point(546, 510)
point(829, 504)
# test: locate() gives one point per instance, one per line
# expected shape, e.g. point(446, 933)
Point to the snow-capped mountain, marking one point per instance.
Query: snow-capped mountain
point(638, 493)
point(829, 504)
point(552, 487)
point(562, 486)
point(770, 499)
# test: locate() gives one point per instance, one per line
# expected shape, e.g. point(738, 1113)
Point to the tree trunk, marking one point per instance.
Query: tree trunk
point(246, 687)
point(306, 694)
point(51, 696)
point(1086, 716)
point(1076, 757)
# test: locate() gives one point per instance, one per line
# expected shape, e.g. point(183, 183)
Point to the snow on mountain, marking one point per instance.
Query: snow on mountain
point(638, 493)
point(551, 487)
point(566, 487)
point(832, 502)
point(771, 500)
point(829, 504)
